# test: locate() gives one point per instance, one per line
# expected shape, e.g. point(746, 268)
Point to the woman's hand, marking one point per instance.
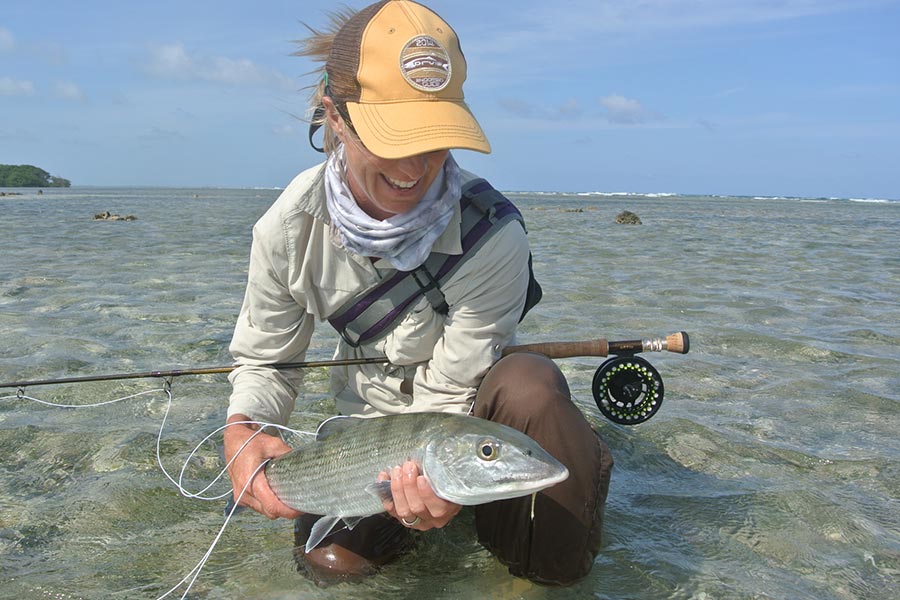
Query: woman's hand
point(414, 502)
point(259, 496)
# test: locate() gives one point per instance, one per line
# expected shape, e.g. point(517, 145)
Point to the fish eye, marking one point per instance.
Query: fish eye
point(488, 450)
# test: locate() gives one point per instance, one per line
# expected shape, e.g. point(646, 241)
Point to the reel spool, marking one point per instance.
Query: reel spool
point(627, 389)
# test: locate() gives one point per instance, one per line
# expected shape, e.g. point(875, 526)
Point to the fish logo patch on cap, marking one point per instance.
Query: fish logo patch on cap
point(425, 64)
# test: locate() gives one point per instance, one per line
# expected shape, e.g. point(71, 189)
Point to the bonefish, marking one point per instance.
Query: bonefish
point(467, 460)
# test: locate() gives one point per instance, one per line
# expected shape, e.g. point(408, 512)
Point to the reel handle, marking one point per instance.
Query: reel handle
point(678, 343)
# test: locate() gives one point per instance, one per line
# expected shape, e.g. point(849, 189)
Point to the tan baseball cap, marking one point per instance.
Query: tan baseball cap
point(399, 68)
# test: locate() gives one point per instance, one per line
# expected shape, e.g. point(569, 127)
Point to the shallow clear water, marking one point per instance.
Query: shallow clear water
point(771, 471)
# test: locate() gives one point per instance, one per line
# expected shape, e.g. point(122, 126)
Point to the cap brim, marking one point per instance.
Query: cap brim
point(401, 129)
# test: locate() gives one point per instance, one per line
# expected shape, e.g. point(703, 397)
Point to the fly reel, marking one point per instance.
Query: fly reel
point(627, 389)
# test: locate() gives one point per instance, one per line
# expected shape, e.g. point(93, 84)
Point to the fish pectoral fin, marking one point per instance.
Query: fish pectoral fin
point(381, 490)
point(323, 527)
point(320, 529)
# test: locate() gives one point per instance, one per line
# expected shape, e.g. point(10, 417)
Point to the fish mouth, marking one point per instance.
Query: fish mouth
point(554, 478)
point(515, 486)
point(505, 490)
point(549, 479)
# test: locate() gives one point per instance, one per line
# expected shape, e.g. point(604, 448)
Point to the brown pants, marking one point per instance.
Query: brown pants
point(529, 393)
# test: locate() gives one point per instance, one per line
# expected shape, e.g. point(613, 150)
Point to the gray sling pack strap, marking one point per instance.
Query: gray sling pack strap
point(375, 311)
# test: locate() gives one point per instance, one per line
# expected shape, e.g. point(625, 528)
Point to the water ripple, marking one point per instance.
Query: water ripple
point(771, 471)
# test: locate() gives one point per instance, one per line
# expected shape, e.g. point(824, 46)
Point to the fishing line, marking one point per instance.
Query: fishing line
point(194, 573)
point(179, 484)
point(20, 395)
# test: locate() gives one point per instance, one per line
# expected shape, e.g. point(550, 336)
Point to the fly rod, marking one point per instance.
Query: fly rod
point(199, 371)
point(626, 388)
point(677, 342)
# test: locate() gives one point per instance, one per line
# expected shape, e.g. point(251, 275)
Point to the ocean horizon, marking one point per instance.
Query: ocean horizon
point(583, 193)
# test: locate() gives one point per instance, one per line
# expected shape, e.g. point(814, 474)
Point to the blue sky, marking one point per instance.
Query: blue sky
point(747, 97)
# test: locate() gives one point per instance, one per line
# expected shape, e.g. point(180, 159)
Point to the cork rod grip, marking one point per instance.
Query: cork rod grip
point(678, 342)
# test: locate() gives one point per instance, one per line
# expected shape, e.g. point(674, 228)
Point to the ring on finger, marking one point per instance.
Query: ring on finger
point(412, 523)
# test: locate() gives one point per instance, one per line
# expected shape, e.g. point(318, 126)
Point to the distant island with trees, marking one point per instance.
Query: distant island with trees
point(29, 176)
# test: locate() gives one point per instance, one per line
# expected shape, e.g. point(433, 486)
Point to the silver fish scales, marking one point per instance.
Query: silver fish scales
point(467, 460)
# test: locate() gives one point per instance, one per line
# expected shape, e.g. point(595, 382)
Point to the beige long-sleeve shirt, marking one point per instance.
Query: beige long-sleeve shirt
point(300, 274)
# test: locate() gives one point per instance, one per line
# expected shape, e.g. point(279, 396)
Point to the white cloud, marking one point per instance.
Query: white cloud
point(50, 52)
point(7, 41)
point(18, 136)
point(590, 34)
point(518, 107)
point(614, 15)
point(15, 87)
point(68, 91)
point(569, 111)
point(236, 72)
point(284, 129)
point(728, 93)
point(173, 61)
point(626, 111)
point(159, 134)
point(562, 34)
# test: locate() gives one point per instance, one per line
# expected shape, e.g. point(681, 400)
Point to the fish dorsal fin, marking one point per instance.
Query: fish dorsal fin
point(334, 425)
